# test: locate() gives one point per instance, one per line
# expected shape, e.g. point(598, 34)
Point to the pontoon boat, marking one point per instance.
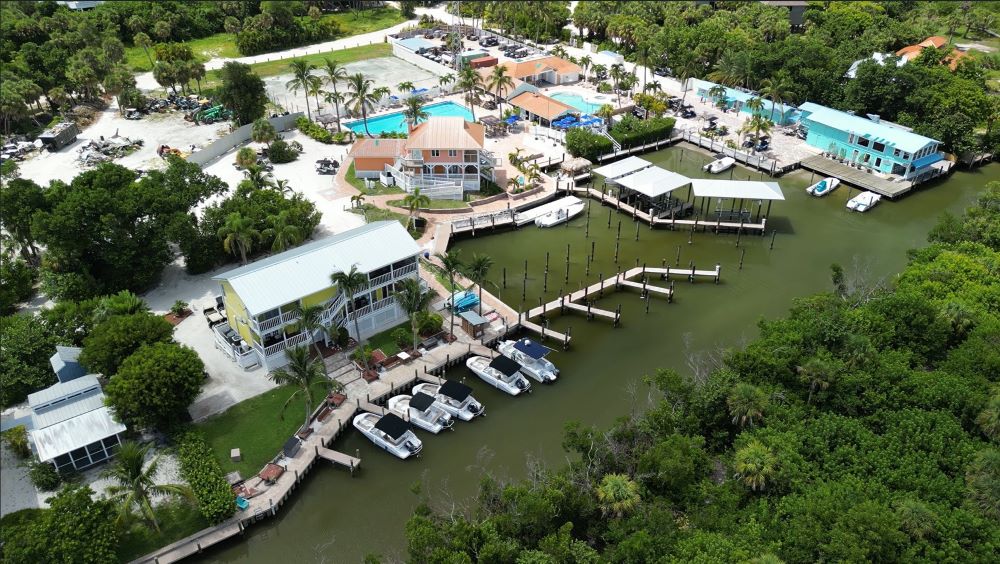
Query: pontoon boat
point(390, 433)
point(531, 356)
point(719, 165)
point(824, 187)
point(863, 201)
point(453, 397)
point(501, 372)
point(420, 409)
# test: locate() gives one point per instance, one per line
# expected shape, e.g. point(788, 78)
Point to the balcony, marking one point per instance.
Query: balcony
point(278, 347)
point(371, 308)
point(270, 324)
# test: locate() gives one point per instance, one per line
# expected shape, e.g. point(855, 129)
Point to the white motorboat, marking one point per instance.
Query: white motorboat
point(453, 397)
point(390, 433)
point(719, 165)
point(561, 215)
point(531, 356)
point(824, 187)
point(863, 201)
point(501, 372)
point(421, 410)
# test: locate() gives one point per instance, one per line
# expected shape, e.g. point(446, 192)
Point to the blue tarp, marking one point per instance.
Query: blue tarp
point(531, 348)
point(512, 120)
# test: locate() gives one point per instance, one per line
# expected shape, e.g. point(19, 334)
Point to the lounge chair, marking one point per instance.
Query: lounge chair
point(242, 504)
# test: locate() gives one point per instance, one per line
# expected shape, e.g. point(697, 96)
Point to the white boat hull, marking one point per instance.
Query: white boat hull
point(863, 202)
point(721, 165)
point(479, 365)
point(560, 216)
point(466, 411)
point(823, 187)
point(400, 449)
point(541, 369)
point(400, 405)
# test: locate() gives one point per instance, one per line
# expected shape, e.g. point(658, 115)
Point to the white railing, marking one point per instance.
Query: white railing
point(276, 321)
point(617, 146)
point(333, 308)
point(287, 343)
point(380, 280)
point(405, 270)
point(371, 308)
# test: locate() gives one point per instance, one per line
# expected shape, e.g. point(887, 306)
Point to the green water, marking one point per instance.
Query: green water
point(336, 518)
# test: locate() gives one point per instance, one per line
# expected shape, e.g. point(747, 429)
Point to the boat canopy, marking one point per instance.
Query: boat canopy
point(653, 182)
point(622, 168)
point(392, 425)
point(421, 401)
point(505, 365)
point(750, 190)
point(531, 348)
point(455, 390)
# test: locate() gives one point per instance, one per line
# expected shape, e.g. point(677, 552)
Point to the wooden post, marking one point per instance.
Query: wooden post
point(609, 218)
point(593, 245)
point(670, 296)
point(718, 272)
point(567, 263)
point(743, 253)
point(545, 281)
point(739, 232)
point(773, 233)
point(637, 231)
point(505, 277)
point(691, 233)
point(617, 242)
point(588, 266)
point(691, 277)
point(677, 261)
point(602, 285)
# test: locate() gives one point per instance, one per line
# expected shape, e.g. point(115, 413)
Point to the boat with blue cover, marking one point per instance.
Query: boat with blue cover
point(531, 357)
point(824, 187)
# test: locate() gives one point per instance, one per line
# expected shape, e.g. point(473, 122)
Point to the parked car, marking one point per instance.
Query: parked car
point(489, 105)
point(663, 71)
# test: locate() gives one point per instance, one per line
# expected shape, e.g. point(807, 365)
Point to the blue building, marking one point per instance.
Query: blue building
point(65, 363)
point(890, 149)
point(784, 114)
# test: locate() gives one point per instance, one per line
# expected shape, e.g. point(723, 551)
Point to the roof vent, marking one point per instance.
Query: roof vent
point(874, 117)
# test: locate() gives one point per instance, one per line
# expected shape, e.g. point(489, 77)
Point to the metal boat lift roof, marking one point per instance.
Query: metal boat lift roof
point(622, 168)
point(737, 189)
point(653, 182)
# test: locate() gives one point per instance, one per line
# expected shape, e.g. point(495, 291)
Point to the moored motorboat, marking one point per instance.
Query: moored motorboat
point(501, 373)
point(560, 215)
point(863, 202)
point(531, 357)
point(453, 397)
point(824, 187)
point(421, 410)
point(719, 165)
point(390, 433)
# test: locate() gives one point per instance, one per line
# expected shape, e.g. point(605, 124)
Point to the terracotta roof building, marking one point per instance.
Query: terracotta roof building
point(540, 106)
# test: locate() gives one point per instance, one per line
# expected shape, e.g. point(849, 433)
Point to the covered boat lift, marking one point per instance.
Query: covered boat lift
point(612, 172)
point(736, 191)
point(651, 189)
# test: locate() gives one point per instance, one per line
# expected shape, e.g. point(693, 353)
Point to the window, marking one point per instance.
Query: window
point(878, 162)
point(435, 153)
point(879, 147)
point(863, 142)
point(906, 156)
point(452, 153)
point(895, 152)
point(850, 138)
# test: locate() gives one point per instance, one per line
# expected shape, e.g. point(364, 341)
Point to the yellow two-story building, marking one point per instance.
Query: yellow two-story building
point(262, 298)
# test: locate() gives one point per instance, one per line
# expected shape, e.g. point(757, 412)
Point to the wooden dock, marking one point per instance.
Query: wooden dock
point(856, 177)
point(372, 408)
point(703, 224)
point(336, 457)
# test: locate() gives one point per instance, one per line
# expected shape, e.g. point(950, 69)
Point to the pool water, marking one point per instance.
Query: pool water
point(577, 102)
point(396, 121)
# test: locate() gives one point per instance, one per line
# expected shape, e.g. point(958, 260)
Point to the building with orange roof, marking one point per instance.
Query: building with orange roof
point(535, 106)
point(444, 156)
point(911, 52)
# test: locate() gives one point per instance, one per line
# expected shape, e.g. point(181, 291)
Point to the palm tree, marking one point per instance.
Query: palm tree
point(559, 51)
point(413, 110)
point(357, 200)
point(135, 482)
point(500, 82)
point(142, 40)
point(350, 283)
point(585, 62)
point(305, 373)
point(246, 158)
point(532, 174)
point(755, 104)
point(360, 97)
point(301, 79)
point(513, 184)
point(311, 321)
point(760, 125)
point(446, 80)
point(413, 202)
point(617, 71)
point(335, 99)
point(684, 72)
point(478, 269)
point(718, 93)
point(618, 494)
point(817, 373)
point(606, 112)
point(599, 70)
point(746, 404)
point(413, 299)
point(654, 86)
point(778, 91)
point(755, 465)
point(726, 71)
point(283, 186)
point(283, 230)
point(514, 157)
point(452, 265)
point(469, 80)
point(238, 235)
point(258, 177)
point(263, 132)
point(405, 86)
point(315, 90)
point(989, 419)
point(335, 72)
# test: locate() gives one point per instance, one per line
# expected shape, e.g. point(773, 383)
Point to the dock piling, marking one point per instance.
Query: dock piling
point(743, 253)
point(718, 272)
point(637, 231)
point(670, 296)
point(677, 261)
point(773, 233)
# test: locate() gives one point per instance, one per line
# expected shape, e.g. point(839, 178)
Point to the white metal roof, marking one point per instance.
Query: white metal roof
point(67, 409)
point(54, 392)
point(622, 167)
point(75, 433)
point(653, 181)
point(746, 189)
point(288, 276)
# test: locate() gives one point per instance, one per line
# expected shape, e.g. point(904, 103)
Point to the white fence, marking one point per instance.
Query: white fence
point(238, 137)
point(422, 62)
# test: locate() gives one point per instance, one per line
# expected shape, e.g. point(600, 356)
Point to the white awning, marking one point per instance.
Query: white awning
point(653, 181)
point(745, 189)
point(622, 168)
point(75, 433)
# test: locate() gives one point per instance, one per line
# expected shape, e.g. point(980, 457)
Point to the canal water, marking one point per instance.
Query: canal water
point(336, 518)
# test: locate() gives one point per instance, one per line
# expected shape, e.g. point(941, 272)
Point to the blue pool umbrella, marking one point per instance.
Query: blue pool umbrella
point(512, 120)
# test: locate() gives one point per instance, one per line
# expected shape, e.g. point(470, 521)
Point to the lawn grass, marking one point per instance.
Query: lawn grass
point(356, 22)
point(371, 212)
point(177, 519)
point(255, 427)
point(378, 190)
point(435, 204)
point(441, 277)
point(385, 341)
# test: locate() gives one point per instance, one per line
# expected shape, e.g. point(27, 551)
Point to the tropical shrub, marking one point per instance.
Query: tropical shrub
point(16, 439)
point(604, 88)
point(314, 130)
point(24, 362)
point(114, 340)
point(16, 283)
point(179, 307)
point(583, 143)
point(282, 152)
point(632, 131)
point(402, 337)
point(342, 137)
point(155, 386)
point(44, 476)
point(429, 322)
point(202, 472)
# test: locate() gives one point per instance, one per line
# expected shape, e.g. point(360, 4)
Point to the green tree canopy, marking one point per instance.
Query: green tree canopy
point(243, 92)
point(154, 386)
point(114, 340)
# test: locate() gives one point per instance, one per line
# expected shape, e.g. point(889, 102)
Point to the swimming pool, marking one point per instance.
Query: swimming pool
point(577, 102)
point(396, 121)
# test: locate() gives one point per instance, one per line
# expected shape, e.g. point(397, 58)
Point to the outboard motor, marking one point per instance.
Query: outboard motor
point(521, 384)
point(474, 408)
point(410, 446)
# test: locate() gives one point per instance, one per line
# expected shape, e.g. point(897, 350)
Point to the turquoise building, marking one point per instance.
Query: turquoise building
point(890, 149)
point(784, 114)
